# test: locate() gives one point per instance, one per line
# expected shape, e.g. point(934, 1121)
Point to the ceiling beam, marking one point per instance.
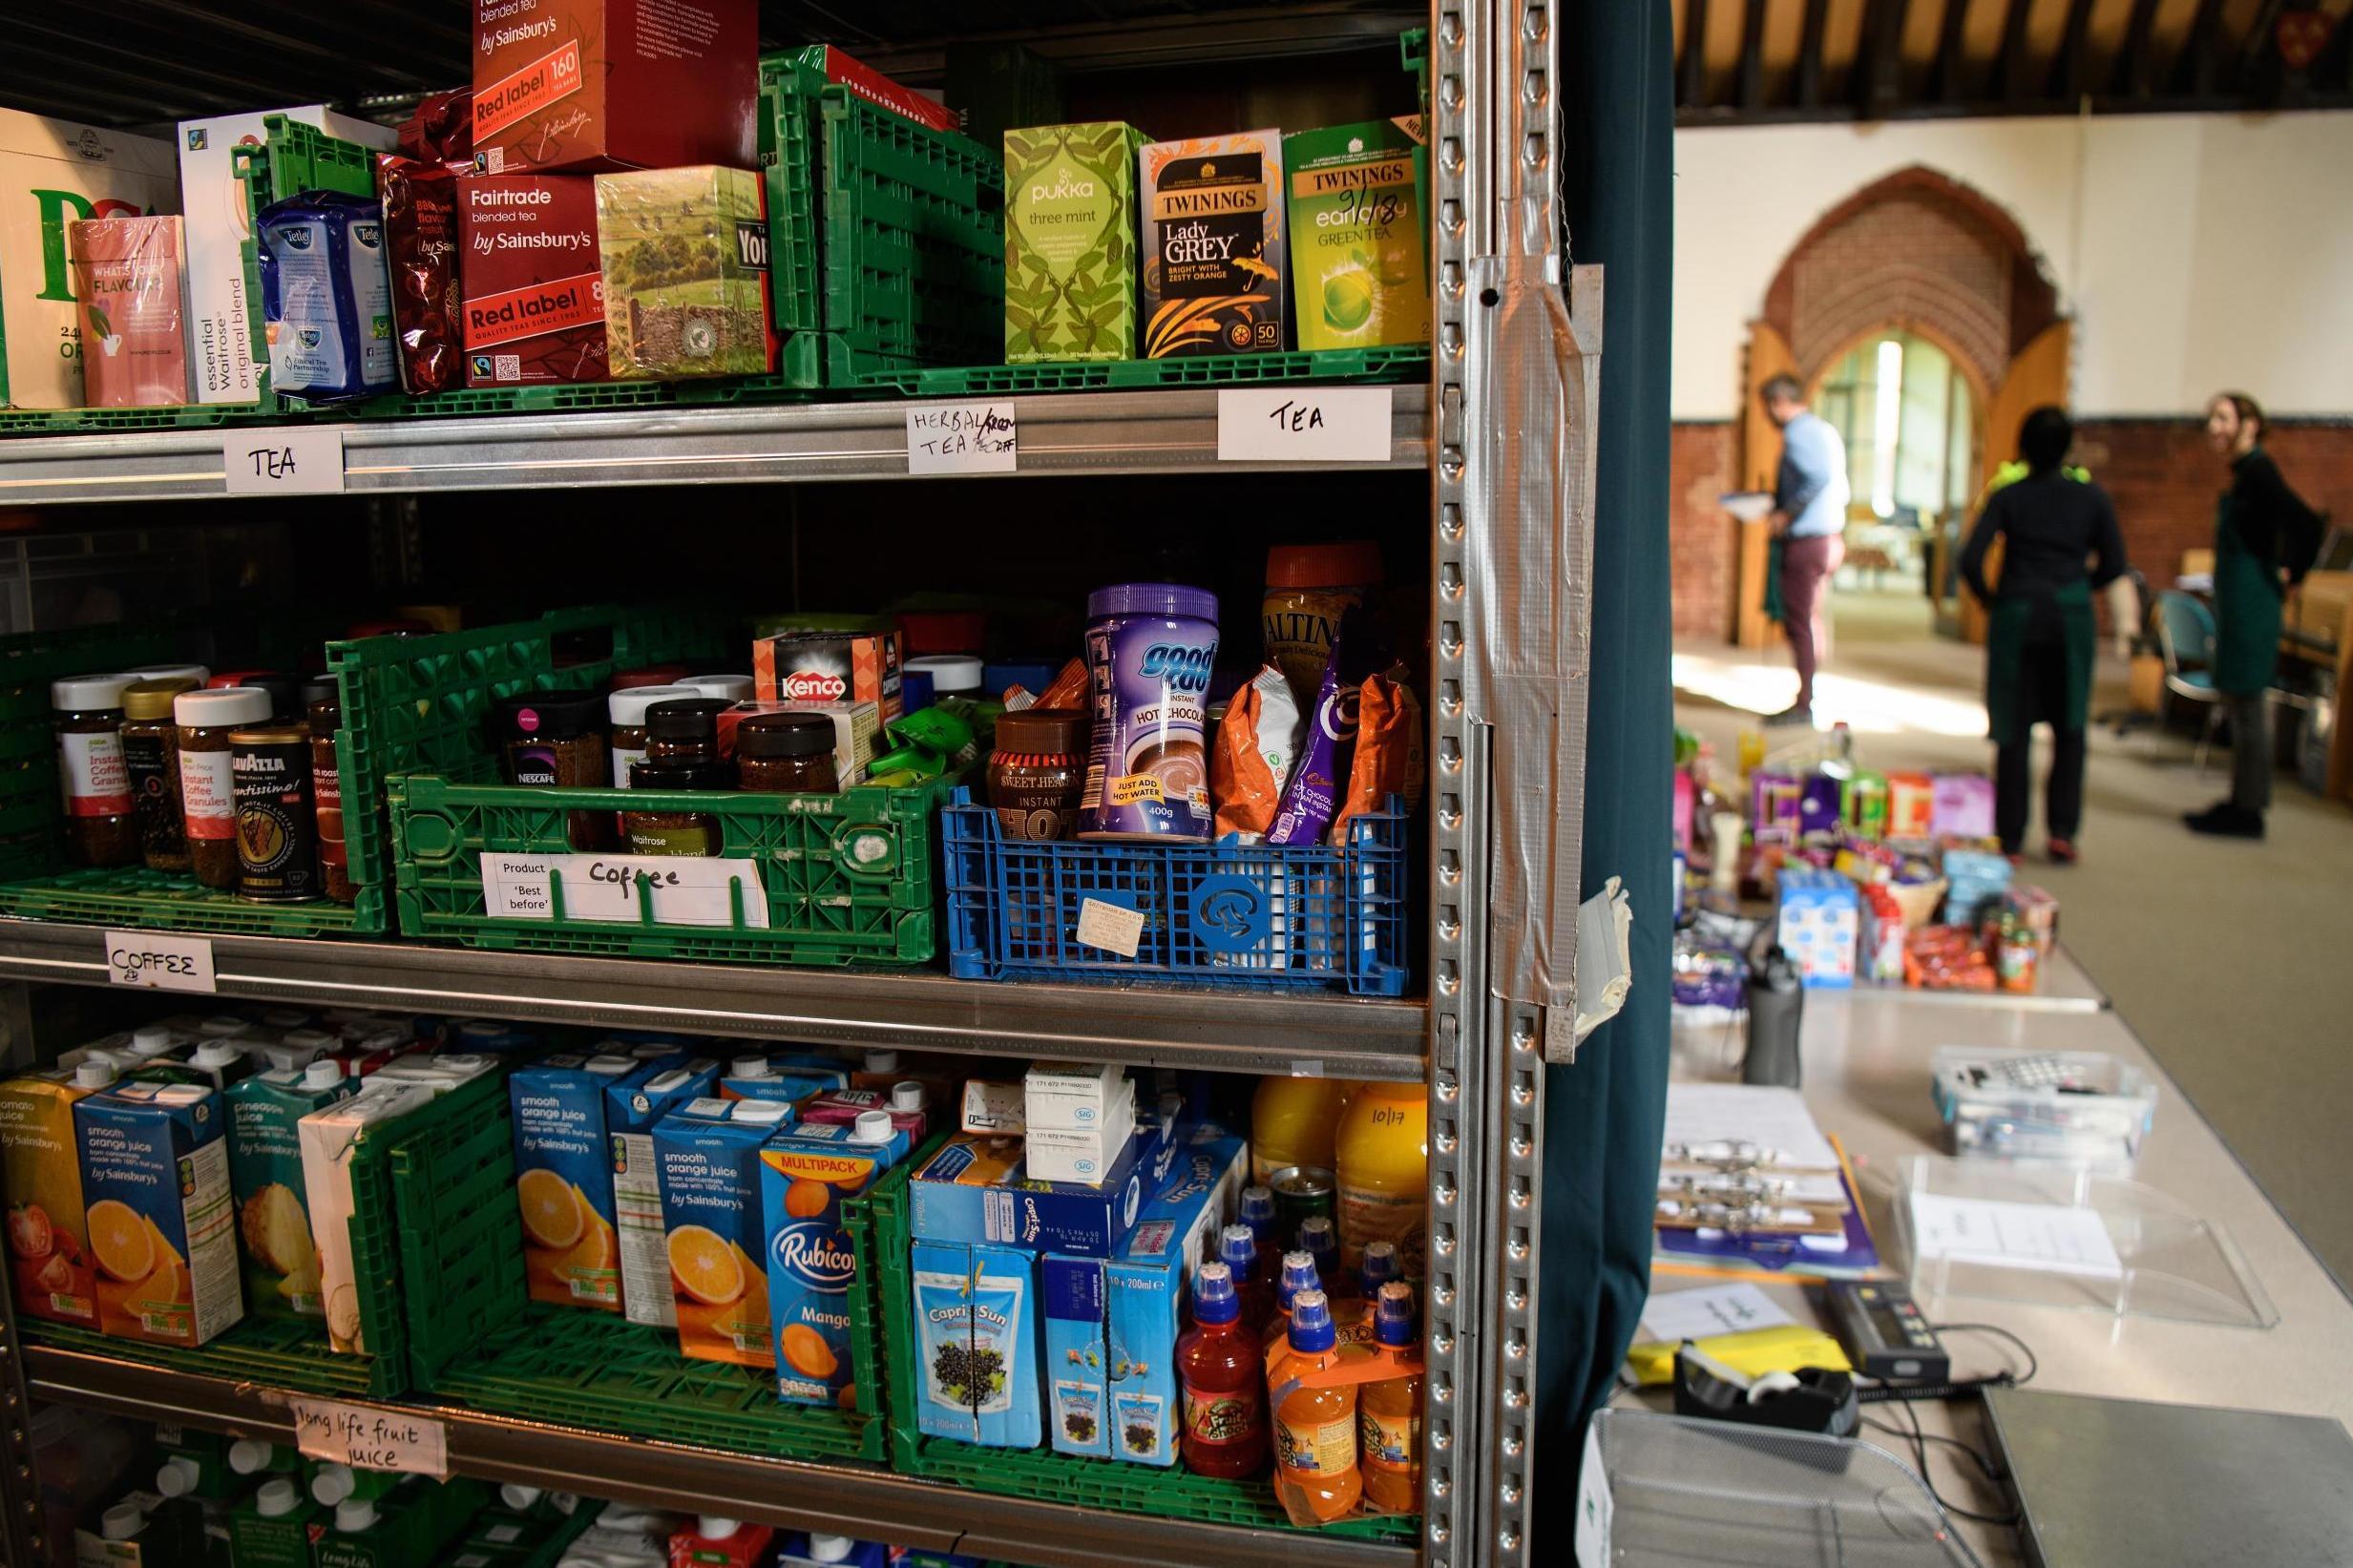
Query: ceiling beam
point(2193, 68)
point(1882, 66)
point(1809, 54)
point(1691, 71)
point(1753, 58)
point(2010, 68)
point(1952, 65)
point(2070, 69)
point(2134, 74)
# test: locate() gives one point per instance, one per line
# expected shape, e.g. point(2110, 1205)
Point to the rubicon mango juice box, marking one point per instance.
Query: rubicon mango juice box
point(631, 1109)
point(803, 1177)
point(161, 1225)
point(49, 1271)
point(266, 1174)
point(563, 1178)
point(707, 1154)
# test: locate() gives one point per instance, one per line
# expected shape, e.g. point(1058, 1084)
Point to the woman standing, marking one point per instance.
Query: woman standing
point(2259, 518)
point(2040, 634)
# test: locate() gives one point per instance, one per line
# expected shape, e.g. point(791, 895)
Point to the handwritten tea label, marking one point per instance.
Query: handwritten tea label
point(1303, 424)
point(1113, 928)
point(961, 438)
point(284, 461)
point(160, 961)
point(368, 1437)
point(682, 889)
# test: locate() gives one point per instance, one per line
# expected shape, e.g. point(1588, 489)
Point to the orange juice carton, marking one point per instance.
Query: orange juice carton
point(50, 1272)
point(161, 1225)
point(265, 1177)
point(632, 1107)
point(563, 1178)
point(786, 1075)
point(706, 1155)
point(331, 1138)
point(803, 1177)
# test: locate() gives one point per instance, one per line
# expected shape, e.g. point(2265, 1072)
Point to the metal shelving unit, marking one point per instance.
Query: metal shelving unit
point(1504, 431)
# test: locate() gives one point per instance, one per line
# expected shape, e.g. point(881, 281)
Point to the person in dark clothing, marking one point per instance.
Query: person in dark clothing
point(2251, 528)
point(2039, 635)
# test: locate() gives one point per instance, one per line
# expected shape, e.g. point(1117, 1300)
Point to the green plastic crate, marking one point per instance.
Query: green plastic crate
point(846, 878)
point(1397, 362)
point(288, 1354)
point(32, 821)
point(1174, 1492)
point(169, 901)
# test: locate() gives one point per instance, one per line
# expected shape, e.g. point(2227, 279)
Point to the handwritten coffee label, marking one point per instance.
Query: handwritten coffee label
point(961, 438)
point(682, 889)
point(283, 462)
point(370, 1437)
point(158, 961)
point(1303, 424)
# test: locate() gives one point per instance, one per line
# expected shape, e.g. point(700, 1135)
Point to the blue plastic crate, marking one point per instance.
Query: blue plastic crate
point(1215, 914)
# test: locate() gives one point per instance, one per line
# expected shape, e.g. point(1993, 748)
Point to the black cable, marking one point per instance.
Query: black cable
point(2024, 1349)
point(1920, 1443)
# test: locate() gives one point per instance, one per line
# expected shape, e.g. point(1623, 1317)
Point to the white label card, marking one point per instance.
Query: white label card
point(1708, 1311)
point(366, 1437)
point(1303, 424)
point(160, 961)
point(961, 438)
point(685, 890)
point(1110, 927)
point(284, 461)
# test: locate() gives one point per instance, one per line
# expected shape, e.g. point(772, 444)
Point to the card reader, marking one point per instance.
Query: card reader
point(1884, 1333)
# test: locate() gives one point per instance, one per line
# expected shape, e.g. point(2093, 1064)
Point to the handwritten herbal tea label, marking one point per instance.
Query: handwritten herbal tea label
point(961, 438)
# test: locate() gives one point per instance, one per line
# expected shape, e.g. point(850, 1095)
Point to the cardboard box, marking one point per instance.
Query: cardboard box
point(977, 1189)
point(1070, 243)
point(529, 281)
point(584, 85)
point(1961, 805)
point(631, 1109)
point(52, 173)
point(1359, 235)
point(162, 1224)
point(563, 1178)
point(858, 731)
point(329, 1137)
point(1216, 268)
point(684, 254)
point(1080, 1095)
point(218, 223)
point(796, 668)
point(976, 1334)
point(266, 1174)
point(993, 1108)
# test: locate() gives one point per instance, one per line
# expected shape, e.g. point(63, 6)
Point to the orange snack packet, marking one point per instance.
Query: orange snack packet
point(1258, 744)
point(1389, 759)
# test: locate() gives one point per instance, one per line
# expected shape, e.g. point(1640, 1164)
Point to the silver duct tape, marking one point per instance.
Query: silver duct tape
point(1529, 425)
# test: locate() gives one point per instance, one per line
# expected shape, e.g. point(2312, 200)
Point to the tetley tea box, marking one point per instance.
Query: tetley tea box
point(1359, 234)
point(1212, 245)
point(1070, 243)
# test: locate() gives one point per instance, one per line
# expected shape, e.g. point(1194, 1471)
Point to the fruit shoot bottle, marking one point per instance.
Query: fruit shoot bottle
point(1220, 1362)
point(1315, 1471)
point(1380, 1267)
point(1389, 1412)
point(1258, 1213)
point(1238, 1251)
point(1298, 1277)
point(1320, 1240)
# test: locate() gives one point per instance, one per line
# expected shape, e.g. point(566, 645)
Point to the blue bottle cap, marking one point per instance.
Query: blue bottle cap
point(1392, 1314)
point(1380, 1266)
point(1238, 1249)
point(1214, 1297)
point(1316, 1234)
point(1298, 1275)
point(1311, 1323)
point(1258, 1209)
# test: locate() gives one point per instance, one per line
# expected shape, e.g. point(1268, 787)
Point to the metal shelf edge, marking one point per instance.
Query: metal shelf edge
point(796, 1494)
point(1233, 1031)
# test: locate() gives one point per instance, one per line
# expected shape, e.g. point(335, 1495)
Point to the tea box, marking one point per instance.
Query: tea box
point(1359, 239)
point(615, 84)
point(685, 257)
point(1070, 243)
point(1214, 273)
point(531, 285)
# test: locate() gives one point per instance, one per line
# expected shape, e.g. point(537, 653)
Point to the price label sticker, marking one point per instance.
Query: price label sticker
point(961, 438)
point(680, 890)
point(1113, 928)
point(1303, 424)
point(284, 461)
point(160, 961)
point(368, 1437)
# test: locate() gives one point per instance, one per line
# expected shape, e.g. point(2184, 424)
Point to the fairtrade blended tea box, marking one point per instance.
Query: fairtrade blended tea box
point(1070, 243)
point(1359, 235)
point(1214, 245)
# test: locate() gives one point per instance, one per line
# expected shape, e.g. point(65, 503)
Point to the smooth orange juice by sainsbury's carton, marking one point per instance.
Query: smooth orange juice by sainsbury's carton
point(50, 1272)
point(162, 1222)
point(707, 1156)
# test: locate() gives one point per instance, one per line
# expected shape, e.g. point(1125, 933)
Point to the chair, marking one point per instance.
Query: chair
point(2185, 640)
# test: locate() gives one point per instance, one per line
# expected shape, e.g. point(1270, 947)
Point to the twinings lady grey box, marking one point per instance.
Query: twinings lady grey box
point(1214, 245)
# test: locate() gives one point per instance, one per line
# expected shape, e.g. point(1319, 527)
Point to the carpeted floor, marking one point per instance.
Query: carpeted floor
point(2226, 957)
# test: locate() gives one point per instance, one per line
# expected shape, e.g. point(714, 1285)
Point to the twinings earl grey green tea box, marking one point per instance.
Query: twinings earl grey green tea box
point(1359, 235)
point(1212, 245)
point(1070, 243)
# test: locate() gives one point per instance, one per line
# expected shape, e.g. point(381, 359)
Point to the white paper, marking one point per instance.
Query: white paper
point(1748, 505)
point(2054, 1238)
point(284, 461)
point(1303, 424)
point(1593, 1502)
point(687, 889)
point(1775, 1119)
point(961, 438)
point(1709, 1311)
point(1110, 927)
point(160, 961)
point(370, 1438)
point(1604, 968)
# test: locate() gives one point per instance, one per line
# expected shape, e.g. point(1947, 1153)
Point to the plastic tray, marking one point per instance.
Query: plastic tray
point(1405, 362)
point(2097, 1119)
point(1215, 914)
point(1173, 1493)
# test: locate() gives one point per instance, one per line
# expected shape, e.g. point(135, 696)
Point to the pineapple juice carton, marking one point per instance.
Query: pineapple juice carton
point(161, 1223)
point(265, 1177)
point(50, 1272)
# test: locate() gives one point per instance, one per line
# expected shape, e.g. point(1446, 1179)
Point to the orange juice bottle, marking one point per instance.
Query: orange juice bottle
point(1292, 1124)
point(1388, 1413)
point(1383, 1170)
point(1316, 1471)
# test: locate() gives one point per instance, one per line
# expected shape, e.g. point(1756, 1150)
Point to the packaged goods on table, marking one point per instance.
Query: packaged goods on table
point(1978, 880)
point(1911, 805)
point(1881, 934)
point(1961, 805)
point(1819, 925)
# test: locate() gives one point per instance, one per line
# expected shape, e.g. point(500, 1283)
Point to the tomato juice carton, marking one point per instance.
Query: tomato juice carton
point(707, 1157)
point(161, 1223)
point(803, 1177)
point(615, 84)
point(976, 1308)
point(49, 1271)
point(796, 667)
point(531, 288)
point(330, 1139)
point(564, 1176)
point(631, 1109)
point(265, 1177)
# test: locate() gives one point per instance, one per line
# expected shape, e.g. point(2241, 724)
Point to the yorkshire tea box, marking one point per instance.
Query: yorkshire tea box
point(49, 1271)
point(52, 174)
point(1212, 245)
point(684, 254)
point(1070, 243)
point(162, 1226)
point(1360, 275)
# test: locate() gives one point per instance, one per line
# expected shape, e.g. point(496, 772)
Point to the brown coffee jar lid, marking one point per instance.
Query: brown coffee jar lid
point(686, 719)
point(1054, 732)
point(785, 735)
point(147, 700)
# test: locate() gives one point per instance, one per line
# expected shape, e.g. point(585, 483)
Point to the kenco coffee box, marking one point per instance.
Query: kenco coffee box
point(827, 667)
point(1213, 269)
point(1070, 243)
point(52, 173)
point(587, 85)
point(533, 292)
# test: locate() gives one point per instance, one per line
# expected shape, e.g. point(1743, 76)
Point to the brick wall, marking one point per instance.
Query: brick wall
point(1702, 539)
point(2164, 480)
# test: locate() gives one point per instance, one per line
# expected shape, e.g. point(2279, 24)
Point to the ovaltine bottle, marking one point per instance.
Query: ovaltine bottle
point(277, 822)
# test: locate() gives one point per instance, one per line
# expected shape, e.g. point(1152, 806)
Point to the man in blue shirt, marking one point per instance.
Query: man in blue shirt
point(1810, 497)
